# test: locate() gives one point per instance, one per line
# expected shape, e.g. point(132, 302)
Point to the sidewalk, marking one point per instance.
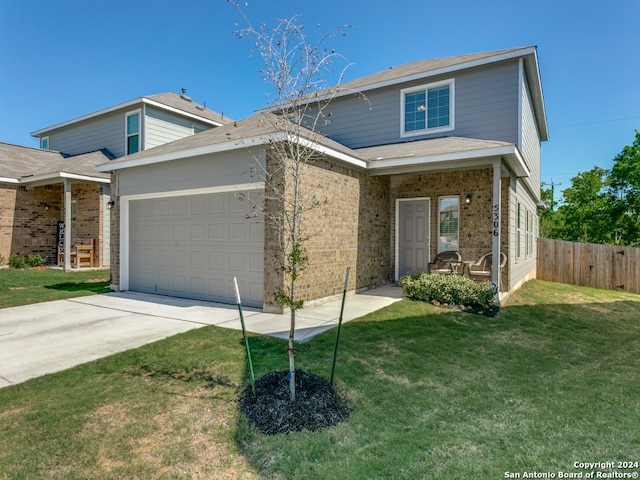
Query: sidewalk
point(48, 337)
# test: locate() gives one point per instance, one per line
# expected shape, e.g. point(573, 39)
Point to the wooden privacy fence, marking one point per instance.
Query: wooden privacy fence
point(590, 265)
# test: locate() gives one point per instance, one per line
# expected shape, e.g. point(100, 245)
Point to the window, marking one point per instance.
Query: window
point(133, 132)
point(518, 232)
point(427, 108)
point(44, 143)
point(198, 128)
point(448, 220)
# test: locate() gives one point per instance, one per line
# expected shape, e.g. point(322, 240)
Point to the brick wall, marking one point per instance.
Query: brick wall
point(26, 225)
point(475, 227)
point(88, 221)
point(349, 228)
point(115, 235)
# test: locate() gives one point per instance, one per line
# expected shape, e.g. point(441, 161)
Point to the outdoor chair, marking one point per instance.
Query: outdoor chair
point(82, 253)
point(481, 270)
point(442, 262)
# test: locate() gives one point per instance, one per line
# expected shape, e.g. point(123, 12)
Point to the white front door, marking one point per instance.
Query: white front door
point(412, 235)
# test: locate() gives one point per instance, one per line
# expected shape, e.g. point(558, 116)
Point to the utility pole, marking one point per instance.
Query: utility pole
point(553, 184)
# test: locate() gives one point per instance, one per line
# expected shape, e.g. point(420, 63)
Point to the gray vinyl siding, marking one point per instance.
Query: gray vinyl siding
point(521, 265)
point(216, 170)
point(163, 127)
point(530, 143)
point(486, 108)
point(107, 131)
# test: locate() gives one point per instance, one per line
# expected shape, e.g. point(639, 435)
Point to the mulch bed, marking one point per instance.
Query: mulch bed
point(317, 404)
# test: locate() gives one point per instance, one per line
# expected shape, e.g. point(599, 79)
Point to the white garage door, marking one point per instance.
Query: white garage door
point(193, 246)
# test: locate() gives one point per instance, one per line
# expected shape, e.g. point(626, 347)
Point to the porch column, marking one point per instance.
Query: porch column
point(67, 225)
point(497, 222)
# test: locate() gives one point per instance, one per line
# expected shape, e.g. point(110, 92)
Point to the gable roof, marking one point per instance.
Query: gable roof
point(258, 129)
point(439, 66)
point(169, 101)
point(428, 68)
point(31, 166)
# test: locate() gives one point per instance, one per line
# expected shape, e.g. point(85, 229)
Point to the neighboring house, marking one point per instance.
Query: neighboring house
point(42, 191)
point(31, 200)
point(443, 155)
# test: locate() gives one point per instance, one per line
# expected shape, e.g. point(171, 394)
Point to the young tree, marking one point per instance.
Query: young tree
point(297, 71)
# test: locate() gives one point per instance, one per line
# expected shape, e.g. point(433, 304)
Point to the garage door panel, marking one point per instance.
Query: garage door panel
point(198, 232)
point(165, 208)
point(179, 233)
point(179, 206)
point(216, 204)
point(193, 246)
point(149, 209)
point(198, 205)
point(238, 232)
point(217, 232)
point(256, 232)
point(256, 263)
point(164, 233)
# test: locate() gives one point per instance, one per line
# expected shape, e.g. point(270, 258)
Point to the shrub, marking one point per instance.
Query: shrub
point(448, 289)
point(17, 261)
point(35, 260)
point(32, 260)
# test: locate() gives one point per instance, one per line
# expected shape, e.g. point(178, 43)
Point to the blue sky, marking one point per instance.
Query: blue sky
point(65, 58)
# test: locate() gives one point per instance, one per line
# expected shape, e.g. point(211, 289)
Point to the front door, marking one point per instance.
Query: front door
point(412, 239)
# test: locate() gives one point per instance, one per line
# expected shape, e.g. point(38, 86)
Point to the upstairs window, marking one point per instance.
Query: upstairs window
point(133, 132)
point(44, 143)
point(427, 108)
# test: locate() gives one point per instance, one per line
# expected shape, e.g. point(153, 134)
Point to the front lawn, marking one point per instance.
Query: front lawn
point(553, 379)
point(22, 287)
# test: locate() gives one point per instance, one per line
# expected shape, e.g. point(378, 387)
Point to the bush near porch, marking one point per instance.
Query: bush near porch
point(448, 290)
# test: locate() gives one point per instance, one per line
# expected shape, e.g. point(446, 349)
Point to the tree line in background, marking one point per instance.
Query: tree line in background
point(601, 206)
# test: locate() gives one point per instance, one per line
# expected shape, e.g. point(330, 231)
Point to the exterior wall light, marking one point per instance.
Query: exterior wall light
point(467, 199)
point(110, 204)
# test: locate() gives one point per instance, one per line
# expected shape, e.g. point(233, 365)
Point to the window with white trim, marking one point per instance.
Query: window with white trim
point(44, 143)
point(448, 223)
point(518, 232)
point(133, 132)
point(427, 108)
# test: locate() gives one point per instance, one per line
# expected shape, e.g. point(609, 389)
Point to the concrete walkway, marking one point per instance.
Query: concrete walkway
point(52, 336)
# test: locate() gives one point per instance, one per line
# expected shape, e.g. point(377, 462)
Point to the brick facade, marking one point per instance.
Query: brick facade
point(115, 235)
point(349, 228)
point(475, 227)
point(27, 226)
point(29, 219)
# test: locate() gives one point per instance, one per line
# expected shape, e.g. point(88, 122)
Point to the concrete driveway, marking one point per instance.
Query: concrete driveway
point(48, 337)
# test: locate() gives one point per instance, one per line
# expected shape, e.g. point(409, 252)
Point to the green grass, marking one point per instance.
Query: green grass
point(23, 287)
point(553, 379)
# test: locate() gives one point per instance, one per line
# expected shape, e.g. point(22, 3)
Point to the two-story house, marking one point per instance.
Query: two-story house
point(443, 155)
point(44, 191)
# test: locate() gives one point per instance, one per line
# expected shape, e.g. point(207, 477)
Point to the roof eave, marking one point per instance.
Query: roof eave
point(517, 53)
point(59, 177)
point(532, 69)
point(188, 153)
point(121, 106)
point(463, 159)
